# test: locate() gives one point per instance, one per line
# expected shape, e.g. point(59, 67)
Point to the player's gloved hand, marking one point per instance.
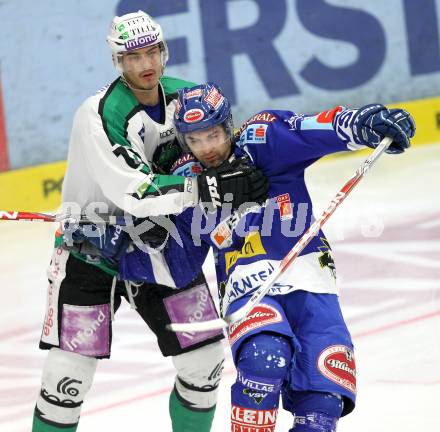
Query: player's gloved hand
point(238, 179)
point(375, 122)
point(165, 155)
point(110, 240)
point(153, 230)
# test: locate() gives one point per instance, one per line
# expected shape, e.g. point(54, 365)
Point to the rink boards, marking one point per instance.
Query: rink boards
point(39, 188)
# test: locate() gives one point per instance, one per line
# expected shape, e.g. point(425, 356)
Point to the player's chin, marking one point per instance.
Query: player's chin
point(212, 163)
point(148, 83)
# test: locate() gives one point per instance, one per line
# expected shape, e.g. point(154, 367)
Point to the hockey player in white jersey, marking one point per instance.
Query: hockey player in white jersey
point(295, 342)
point(122, 139)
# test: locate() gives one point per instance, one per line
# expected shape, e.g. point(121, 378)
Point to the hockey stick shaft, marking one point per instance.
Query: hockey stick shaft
point(46, 217)
point(293, 253)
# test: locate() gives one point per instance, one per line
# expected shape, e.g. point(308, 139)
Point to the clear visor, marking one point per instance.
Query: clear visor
point(210, 146)
point(140, 60)
point(207, 136)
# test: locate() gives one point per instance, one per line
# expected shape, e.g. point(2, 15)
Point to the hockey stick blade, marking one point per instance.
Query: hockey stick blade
point(260, 292)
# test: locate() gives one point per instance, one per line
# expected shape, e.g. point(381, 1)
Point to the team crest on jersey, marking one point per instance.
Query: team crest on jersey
point(337, 364)
point(254, 134)
point(261, 315)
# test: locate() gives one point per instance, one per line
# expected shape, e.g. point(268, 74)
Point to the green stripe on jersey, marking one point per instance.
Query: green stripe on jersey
point(116, 108)
point(171, 85)
point(162, 183)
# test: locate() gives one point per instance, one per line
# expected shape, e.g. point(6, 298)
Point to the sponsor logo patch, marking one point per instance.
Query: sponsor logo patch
point(337, 364)
point(259, 386)
point(254, 134)
point(328, 116)
point(214, 98)
point(49, 319)
point(284, 206)
point(141, 41)
point(140, 191)
point(247, 280)
point(194, 93)
point(222, 235)
point(85, 329)
point(252, 247)
point(252, 420)
point(186, 166)
point(192, 305)
point(193, 115)
point(258, 397)
point(56, 272)
point(259, 316)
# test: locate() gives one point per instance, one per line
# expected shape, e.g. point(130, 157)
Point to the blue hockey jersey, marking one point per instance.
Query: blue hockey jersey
point(249, 244)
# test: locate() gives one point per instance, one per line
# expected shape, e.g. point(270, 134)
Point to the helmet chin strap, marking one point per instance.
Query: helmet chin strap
point(137, 89)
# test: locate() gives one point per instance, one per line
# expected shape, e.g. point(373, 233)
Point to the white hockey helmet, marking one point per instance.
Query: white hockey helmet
point(133, 31)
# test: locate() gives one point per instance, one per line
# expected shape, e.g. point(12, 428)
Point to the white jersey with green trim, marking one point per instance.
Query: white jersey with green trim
point(109, 164)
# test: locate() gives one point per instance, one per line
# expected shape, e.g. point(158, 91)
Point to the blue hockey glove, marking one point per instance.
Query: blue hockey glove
point(111, 240)
point(375, 122)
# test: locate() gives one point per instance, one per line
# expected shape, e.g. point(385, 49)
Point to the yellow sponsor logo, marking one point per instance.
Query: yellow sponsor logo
point(35, 188)
point(252, 247)
point(426, 113)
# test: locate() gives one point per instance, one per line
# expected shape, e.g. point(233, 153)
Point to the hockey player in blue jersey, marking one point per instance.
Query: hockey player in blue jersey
point(295, 342)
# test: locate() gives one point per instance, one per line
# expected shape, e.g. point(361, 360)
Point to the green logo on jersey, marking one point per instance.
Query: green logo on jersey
point(142, 189)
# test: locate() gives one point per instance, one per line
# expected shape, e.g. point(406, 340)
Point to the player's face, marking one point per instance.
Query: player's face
point(143, 67)
point(210, 146)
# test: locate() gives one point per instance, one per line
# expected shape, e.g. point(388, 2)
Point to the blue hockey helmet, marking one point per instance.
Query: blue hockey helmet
point(202, 107)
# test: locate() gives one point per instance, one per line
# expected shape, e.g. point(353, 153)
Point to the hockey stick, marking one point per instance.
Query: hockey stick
point(46, 217)
point(256, 297)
